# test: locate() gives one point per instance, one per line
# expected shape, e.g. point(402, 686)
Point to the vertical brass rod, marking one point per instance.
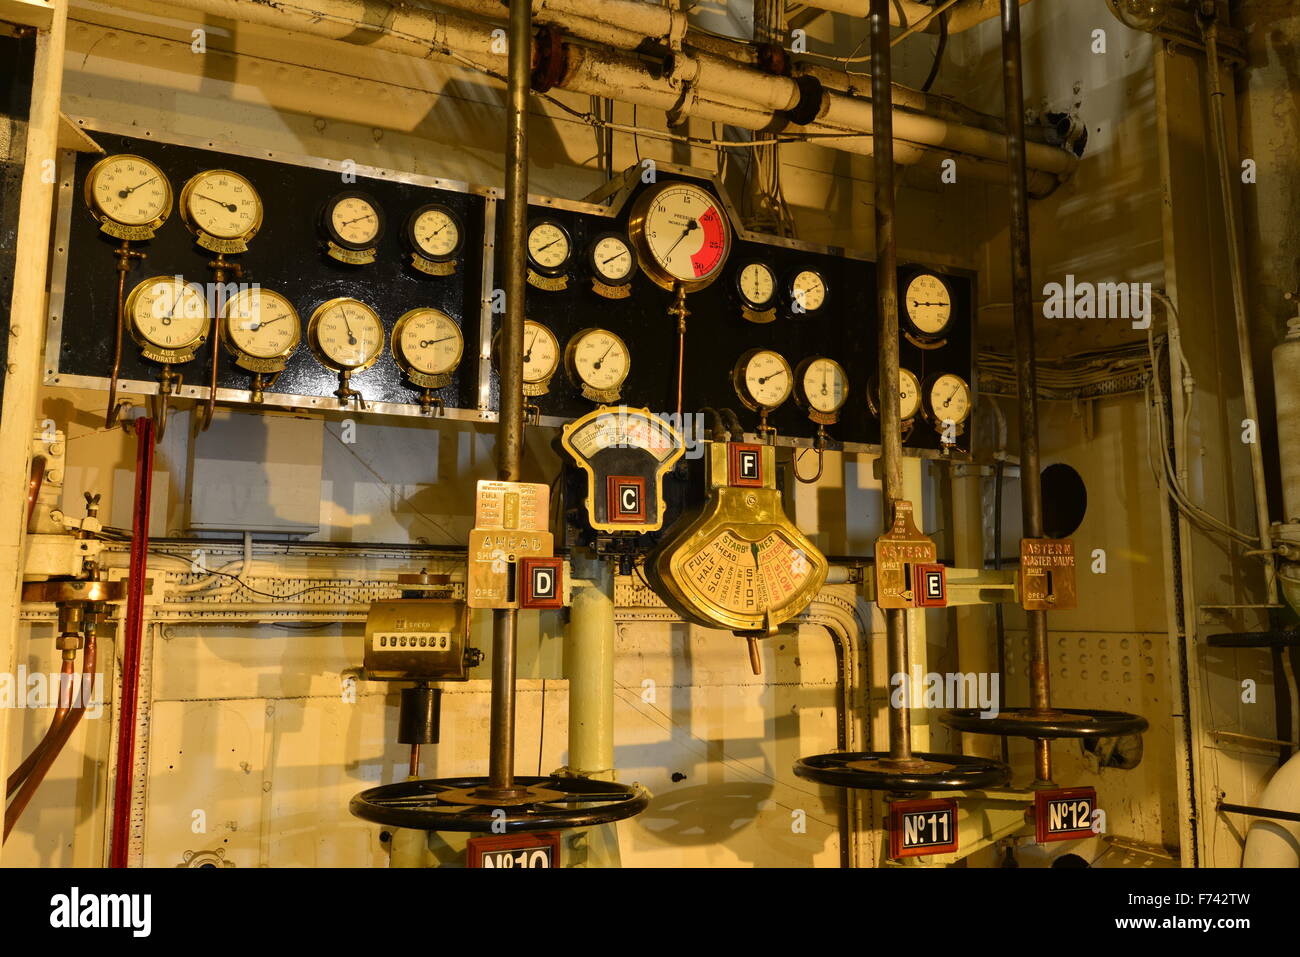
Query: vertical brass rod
point(891, 435)
point(1022, 297)
point(510, 425)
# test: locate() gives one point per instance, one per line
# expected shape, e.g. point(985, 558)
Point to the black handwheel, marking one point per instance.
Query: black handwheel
point(1053, 723)
point(453, 804)
point(1282, 638)
point(875, 771)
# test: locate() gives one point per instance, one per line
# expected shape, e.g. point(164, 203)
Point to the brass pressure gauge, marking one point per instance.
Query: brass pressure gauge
point(927, 311)
point(261, 329)
point(549, 249)
point(436, 236)
point(222, 210)
point(598, 362)
point(763, 380)
point(541, 357)
point(756, 287)
point(129, 196)
point(909, 396)
point(681, 234)
point(353, 222)
point(168, 318)
point(806, 292)
point(613, 265)
point(946, 403)
point(821, 387)
point(346, 336)
point(428, 346)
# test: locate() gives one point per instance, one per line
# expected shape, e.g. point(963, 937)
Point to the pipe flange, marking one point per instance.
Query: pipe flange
point(811, 97)
point(876, 771)
point(549, 59)
point(1052, 723)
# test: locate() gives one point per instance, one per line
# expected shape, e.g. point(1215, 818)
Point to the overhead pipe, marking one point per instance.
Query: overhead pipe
point(1276, 843)
point(962, 15)
point(712, 89)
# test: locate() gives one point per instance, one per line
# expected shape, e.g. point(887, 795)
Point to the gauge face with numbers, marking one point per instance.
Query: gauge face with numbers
point(435, 232)
point(756, 284)
point(260, 324)
point(947, 399)
point(927, 304)
point(612, 260)
point(807, 292)
point(549, 247)
point(168, 313)
point(427, 341)
point(541, 353)
point(909, 395)
point(822, 385)
point(763, 379)
point(221, 204)
point(598, 359)
point(346, 335)
point(354, 220)
point(128, 190)
point(682, 235)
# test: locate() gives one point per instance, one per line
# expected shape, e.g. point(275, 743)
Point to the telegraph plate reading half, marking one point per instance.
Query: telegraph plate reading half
point(625, 453)
point(514, 851)
point(1064, 814)
point(897, 551)
point(1047, 574)
point(923, 827)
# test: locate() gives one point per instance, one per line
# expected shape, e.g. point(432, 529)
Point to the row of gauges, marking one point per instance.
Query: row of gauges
point(764, 380)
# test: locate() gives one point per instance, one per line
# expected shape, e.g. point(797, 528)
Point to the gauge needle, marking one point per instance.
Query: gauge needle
point(825, 390)
point(425, 343)
point(694, 224)
point(602, 358)
point(167, 319)
point(231, 207)
point(763, 379)
point(359, 219)
point(352, 339)
point(950, 398)
point(542, 249)
point(528, 350)
point(260, 323)
point(124, 193)
point(753, 550)
point(619, 255)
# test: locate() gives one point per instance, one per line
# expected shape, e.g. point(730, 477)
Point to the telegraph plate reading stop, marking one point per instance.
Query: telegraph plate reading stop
point(1064, 814)
point(923, 827)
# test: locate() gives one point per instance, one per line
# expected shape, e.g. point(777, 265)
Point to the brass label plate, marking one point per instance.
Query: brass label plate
point(896, 551)
point(523, 506)
point(493, 562)
point(1047, 581)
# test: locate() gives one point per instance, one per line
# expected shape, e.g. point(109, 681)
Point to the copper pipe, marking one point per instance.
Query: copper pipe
point(124, 257)
point(20, 773)
point(34, 485)
point(413, 768)
point(56, 739)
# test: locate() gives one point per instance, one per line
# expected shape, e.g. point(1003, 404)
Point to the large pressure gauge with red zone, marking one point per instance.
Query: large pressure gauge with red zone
point(681, 234)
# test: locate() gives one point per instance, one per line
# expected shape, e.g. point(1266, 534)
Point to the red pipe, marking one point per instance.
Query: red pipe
point(131, 642)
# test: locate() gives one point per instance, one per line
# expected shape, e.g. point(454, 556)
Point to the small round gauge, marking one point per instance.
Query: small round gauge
point(947, 398)
point(763, 380)
point(128, 190)
point(612, 260)
point(168, 313)
point(541, 352)
point(427, 341)
point(435, 232)
point(927, 305)
point(346, 335)
point(909, 395)
point(756, 283)
point(681, 233)
point(260, 324)
point(222, 204)
point(807, 291)
point(353, 219)
point(549, 247)
point(822, 385)
point(598, 359)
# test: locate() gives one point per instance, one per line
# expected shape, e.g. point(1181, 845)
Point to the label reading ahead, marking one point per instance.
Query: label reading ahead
point(922, 827)
point(1064, 814)
point(514, 850)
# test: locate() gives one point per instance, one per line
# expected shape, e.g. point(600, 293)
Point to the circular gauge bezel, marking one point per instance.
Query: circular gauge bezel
point(650, 264)
point(801, 398)
point(143, 338)
point(788, 291)
point(187, 196)
point(399, 353)
point(327, 220)
point(542, 330)
point(927, 408)
point(571, 358)
point(103, 215)
point(909, 321)
point(740, 381)
point(745, 297)
point(552, 271)
point(594, 264)
point(873, 395)
point(228, 335)
point(414, 243)
point(313, 337)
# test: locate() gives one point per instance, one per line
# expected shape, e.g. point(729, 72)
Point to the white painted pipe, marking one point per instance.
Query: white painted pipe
point(962, 16)
point(1271, 843)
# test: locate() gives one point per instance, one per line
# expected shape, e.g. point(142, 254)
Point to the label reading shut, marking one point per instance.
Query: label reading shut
point(1064, 814)
point(514, 851)
point(922, 827)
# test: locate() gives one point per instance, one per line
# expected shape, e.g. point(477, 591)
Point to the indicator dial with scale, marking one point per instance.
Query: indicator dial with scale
point(927, 309)
point(168, 317)
point(427, 346)
point(261, 329)
point(353, 222)
point(613, 264)
point(821, 387)
point(756, 286)
point(806, 292)
point(129, 196)
point(222, 210)
point(946, 402)
point(436, 236)
point(549, 249)
point(346, 336)
point(763, 380)
point(909, 396)
point(682, 235)
point(541, 357)
point(598, 361)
